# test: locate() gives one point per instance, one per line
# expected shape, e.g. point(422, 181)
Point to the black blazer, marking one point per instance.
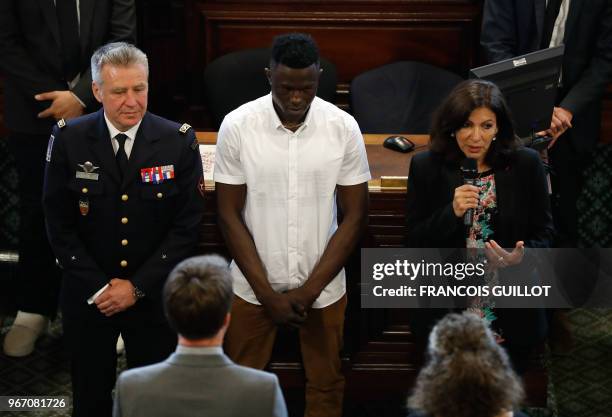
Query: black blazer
point(514, 27)
point(523, 214)
point(522, 200)
point(30, 48)
point(162, 219)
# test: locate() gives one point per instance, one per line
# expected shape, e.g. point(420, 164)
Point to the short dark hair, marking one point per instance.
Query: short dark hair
point(294, 50)
point(455, 110)
point(468, 374)
point(197, 296)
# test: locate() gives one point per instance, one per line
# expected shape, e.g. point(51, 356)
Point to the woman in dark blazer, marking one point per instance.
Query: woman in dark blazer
point(509, 200)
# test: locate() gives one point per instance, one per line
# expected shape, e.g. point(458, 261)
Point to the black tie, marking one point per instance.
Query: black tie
point(121, 156)
point(552, 11)
point(69, 32)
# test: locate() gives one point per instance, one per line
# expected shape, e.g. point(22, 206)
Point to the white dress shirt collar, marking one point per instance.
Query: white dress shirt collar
point(189, 350)
point(130, 133)
point(277, 121)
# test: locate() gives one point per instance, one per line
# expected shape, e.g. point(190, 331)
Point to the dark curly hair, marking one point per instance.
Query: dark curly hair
point(468, 374)
point(455, 110)
point(294, 50)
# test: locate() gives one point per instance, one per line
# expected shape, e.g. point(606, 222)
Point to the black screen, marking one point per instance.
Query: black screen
point(529, 84)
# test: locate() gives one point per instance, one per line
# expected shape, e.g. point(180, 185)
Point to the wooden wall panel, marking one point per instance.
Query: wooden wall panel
point(357, 47)
point(355, 35)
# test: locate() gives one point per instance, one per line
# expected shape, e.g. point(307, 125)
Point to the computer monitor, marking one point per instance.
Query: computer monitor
point(529, 84)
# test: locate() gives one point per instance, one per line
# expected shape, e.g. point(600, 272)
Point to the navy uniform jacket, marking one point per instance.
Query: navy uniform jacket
point(132, 229)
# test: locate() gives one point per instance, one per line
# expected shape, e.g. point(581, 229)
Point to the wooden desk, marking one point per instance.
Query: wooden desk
point(379, 358)
point(383, 161)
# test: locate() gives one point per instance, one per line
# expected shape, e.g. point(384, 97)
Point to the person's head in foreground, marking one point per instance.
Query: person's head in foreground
point(467, 374)
point(293, 75)
point(474, 121)
point(197, 300)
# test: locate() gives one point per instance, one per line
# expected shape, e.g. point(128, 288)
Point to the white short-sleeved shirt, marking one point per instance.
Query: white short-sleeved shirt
point(291, 179)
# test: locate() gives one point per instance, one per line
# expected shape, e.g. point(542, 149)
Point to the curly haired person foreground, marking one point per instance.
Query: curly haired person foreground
point(467, 373)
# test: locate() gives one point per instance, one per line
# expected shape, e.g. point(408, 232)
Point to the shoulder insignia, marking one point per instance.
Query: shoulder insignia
point(61, 123)
point(184, 128)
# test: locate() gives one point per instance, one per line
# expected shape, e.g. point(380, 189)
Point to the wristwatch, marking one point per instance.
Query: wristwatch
point(137, 293)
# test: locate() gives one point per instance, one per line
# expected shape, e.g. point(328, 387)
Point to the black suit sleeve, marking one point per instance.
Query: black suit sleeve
point(16, 61)
point(61, 217)
point(426, 227)
point(540, 225)
point(498, 37)
point(592, 84)
point(122, 28)
point(181, 239)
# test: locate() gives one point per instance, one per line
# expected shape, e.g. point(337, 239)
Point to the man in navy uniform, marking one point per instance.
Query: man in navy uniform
point(123, 201)
point(46, 47)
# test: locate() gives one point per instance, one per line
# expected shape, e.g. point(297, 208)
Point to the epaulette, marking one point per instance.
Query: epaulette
point(184, 128)
point(61, 123)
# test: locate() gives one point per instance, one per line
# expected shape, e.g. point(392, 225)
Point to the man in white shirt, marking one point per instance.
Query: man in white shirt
point(281, 162)
point(198, 379)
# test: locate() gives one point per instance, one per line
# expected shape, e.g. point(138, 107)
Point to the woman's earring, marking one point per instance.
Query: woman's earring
point(494, 137)
point(452, 134)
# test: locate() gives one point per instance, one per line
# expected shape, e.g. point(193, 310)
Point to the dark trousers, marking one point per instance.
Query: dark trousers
point(91, 340)
point(567, 181)
point(577, 273)
point(38, 278)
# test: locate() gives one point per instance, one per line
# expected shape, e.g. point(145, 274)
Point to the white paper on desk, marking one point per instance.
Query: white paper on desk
point(91, 299)
point(207, 152)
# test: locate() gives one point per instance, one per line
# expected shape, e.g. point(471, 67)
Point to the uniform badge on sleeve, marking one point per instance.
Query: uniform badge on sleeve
point(157, 175)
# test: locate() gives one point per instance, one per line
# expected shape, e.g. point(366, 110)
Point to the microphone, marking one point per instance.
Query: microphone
point(469, 169)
